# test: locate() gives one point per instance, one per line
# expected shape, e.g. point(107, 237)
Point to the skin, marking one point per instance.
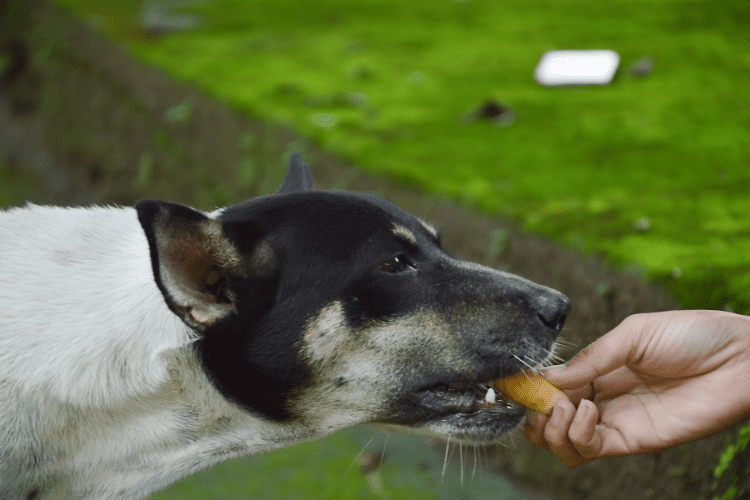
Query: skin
point(655, 381)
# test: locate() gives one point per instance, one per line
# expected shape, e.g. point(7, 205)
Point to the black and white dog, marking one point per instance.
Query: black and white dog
point(140, 345)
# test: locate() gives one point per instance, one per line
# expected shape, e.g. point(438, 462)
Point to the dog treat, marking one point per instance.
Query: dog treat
point(530, 390)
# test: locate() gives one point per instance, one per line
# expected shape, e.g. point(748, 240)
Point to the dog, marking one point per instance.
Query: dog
point(140, 345)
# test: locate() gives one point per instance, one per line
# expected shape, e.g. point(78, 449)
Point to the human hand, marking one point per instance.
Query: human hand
point(655, 381)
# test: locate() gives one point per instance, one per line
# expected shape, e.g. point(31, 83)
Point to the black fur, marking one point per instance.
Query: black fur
point(327, 246)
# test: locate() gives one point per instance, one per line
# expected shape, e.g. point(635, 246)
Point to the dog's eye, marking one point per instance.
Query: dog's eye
point(396, 264)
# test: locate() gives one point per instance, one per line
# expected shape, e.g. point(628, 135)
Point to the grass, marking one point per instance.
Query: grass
point(329, 469)
point(285, 474)
point(388, 85)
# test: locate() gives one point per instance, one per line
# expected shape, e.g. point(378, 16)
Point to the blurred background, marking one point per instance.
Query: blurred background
point(629, 197)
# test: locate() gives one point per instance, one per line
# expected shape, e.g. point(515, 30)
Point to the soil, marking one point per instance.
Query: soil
point(96, 126)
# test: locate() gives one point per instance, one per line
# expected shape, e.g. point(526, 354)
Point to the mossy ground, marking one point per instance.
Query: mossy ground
point(651, 171)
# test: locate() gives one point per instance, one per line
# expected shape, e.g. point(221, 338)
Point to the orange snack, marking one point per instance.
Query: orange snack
point(529, 390)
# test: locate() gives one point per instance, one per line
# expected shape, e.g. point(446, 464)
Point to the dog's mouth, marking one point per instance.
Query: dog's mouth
point(463, 410)
point(466, 399)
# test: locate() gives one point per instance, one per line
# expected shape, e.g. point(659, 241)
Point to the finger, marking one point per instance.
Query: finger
point(576, 395)
point(556, 434)
point(606, 354)
point(592, 440)
point(533, 429)
point(583, 432)
point(619, 381)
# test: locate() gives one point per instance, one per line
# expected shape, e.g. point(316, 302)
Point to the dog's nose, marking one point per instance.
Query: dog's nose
point(552, 310)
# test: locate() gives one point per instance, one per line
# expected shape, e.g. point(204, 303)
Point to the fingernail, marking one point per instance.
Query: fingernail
point(558, 413)
point(583, 409)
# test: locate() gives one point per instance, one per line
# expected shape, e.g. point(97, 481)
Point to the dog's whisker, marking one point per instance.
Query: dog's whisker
point(476, 374)
point(503, 441)
point(554, 360)
point(531, 368)
point(512, 438)
point(355, 460)
point(486, 463)
point(537, 366)
point(445, 460)
point(522, 361)
point(474, 469)
point(382, 455)
point(461, 459)
point(564, 345)
point(558, 348)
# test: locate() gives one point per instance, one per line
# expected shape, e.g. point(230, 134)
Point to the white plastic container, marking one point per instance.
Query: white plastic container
point(577, 67)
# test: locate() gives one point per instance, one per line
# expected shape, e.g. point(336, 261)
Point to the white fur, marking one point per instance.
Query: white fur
point(82, 319)
point(430, 228)
point(101, 396)
point(404, 233)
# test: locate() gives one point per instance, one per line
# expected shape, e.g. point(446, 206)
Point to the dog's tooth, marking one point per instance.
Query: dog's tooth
point(490, 396)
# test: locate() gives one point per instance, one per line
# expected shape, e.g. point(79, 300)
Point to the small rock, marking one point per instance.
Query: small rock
point(501, 114)
point(642, 67)
point(642, 225)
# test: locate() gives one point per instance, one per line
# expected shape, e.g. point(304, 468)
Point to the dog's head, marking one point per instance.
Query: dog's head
point(333, 308)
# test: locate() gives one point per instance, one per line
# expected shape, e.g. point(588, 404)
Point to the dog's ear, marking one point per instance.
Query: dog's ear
point(192, 260)
point(298, 176)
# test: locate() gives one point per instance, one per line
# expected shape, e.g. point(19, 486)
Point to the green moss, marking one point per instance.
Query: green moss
point(580, 164)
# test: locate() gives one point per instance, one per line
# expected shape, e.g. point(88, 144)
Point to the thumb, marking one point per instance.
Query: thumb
point(605, 355)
